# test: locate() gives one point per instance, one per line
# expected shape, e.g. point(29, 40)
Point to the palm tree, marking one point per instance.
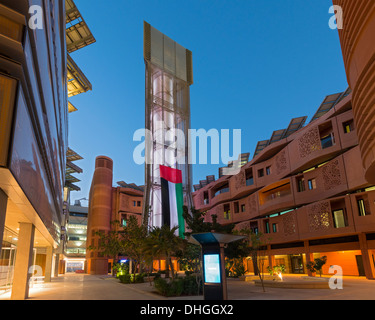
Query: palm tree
point(163, 242)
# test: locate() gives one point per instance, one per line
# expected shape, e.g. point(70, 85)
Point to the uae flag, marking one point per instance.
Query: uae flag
point(172, 198)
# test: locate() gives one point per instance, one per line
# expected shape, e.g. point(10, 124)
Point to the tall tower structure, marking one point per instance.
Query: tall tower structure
point(169, 75)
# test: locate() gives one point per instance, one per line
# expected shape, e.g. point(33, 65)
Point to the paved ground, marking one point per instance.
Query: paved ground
point(86, 287)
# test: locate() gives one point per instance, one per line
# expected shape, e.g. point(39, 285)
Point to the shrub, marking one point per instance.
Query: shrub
point(130, 278)
point(125, 278)
point(180, 286)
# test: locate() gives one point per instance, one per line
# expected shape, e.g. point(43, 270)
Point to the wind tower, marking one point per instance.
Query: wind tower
point(169, 75)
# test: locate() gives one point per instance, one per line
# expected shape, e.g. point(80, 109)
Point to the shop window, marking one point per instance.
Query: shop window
point(339, 218)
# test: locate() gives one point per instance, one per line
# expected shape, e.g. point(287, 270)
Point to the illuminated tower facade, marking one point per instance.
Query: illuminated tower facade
point(169, 75)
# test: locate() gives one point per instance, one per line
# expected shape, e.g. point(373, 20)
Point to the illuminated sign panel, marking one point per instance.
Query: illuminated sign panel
point(212, 268)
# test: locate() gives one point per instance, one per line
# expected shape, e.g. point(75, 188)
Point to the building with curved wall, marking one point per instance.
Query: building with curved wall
point(108, 204)
point(358, 48)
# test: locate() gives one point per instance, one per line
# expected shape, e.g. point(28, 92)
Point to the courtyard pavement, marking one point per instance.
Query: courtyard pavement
point(90, 287)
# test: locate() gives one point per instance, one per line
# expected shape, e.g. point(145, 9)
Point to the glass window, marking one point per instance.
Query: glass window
point(339, 218)
point(266, 226)
point(300, 184)
point(206, 199)
point(348, 126)
point(274, 227)
point(312, 184)
point(249, 178)
point(362, 208)
point(327, 141)
point(227, 212)
point(268, 171)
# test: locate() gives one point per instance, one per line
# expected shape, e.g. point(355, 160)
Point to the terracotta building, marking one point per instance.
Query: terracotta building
point(307, 191)
point(107, 204)
point(358, 48)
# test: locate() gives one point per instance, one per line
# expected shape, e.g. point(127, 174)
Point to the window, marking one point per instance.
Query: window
point(206, 199)
point(249, 178)
point(124, 220)
point(261, 173)
point(327, 137)
point(274, 227)
point(138, 203)
point(300, 184)
point(327, 141)
point(254, 227)
point(312, 184)
point(339, 219)
point(243, 208)
point(134, 203)
point(363, 207)
point(236, 207)
point(348, 126)
point(227, 212)
point(266, 226)
point(268, 171)
point(223, 189)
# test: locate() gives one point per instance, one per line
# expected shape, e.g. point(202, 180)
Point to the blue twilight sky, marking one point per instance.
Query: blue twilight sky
point(257, 64)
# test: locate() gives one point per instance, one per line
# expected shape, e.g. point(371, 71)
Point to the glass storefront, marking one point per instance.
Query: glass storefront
point(7, 260)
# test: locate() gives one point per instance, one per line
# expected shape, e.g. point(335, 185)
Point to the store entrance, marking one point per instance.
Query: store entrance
point(296, 262)
point(7, 261)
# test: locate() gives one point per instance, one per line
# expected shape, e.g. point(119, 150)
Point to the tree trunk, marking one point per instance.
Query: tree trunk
point(254, 258)
point(171, 264)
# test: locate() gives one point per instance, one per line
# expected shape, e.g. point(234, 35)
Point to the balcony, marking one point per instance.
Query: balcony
point(276, 197)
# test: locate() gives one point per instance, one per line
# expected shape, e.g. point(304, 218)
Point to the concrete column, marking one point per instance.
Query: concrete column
point(48, 268)
point(309, 257)
point(3, 210)
point(366, 257)
point(271, 258)
point(24, 258)
point(56, 265)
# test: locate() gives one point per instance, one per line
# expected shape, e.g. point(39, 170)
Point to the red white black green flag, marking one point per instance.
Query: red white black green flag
point(172, 198)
